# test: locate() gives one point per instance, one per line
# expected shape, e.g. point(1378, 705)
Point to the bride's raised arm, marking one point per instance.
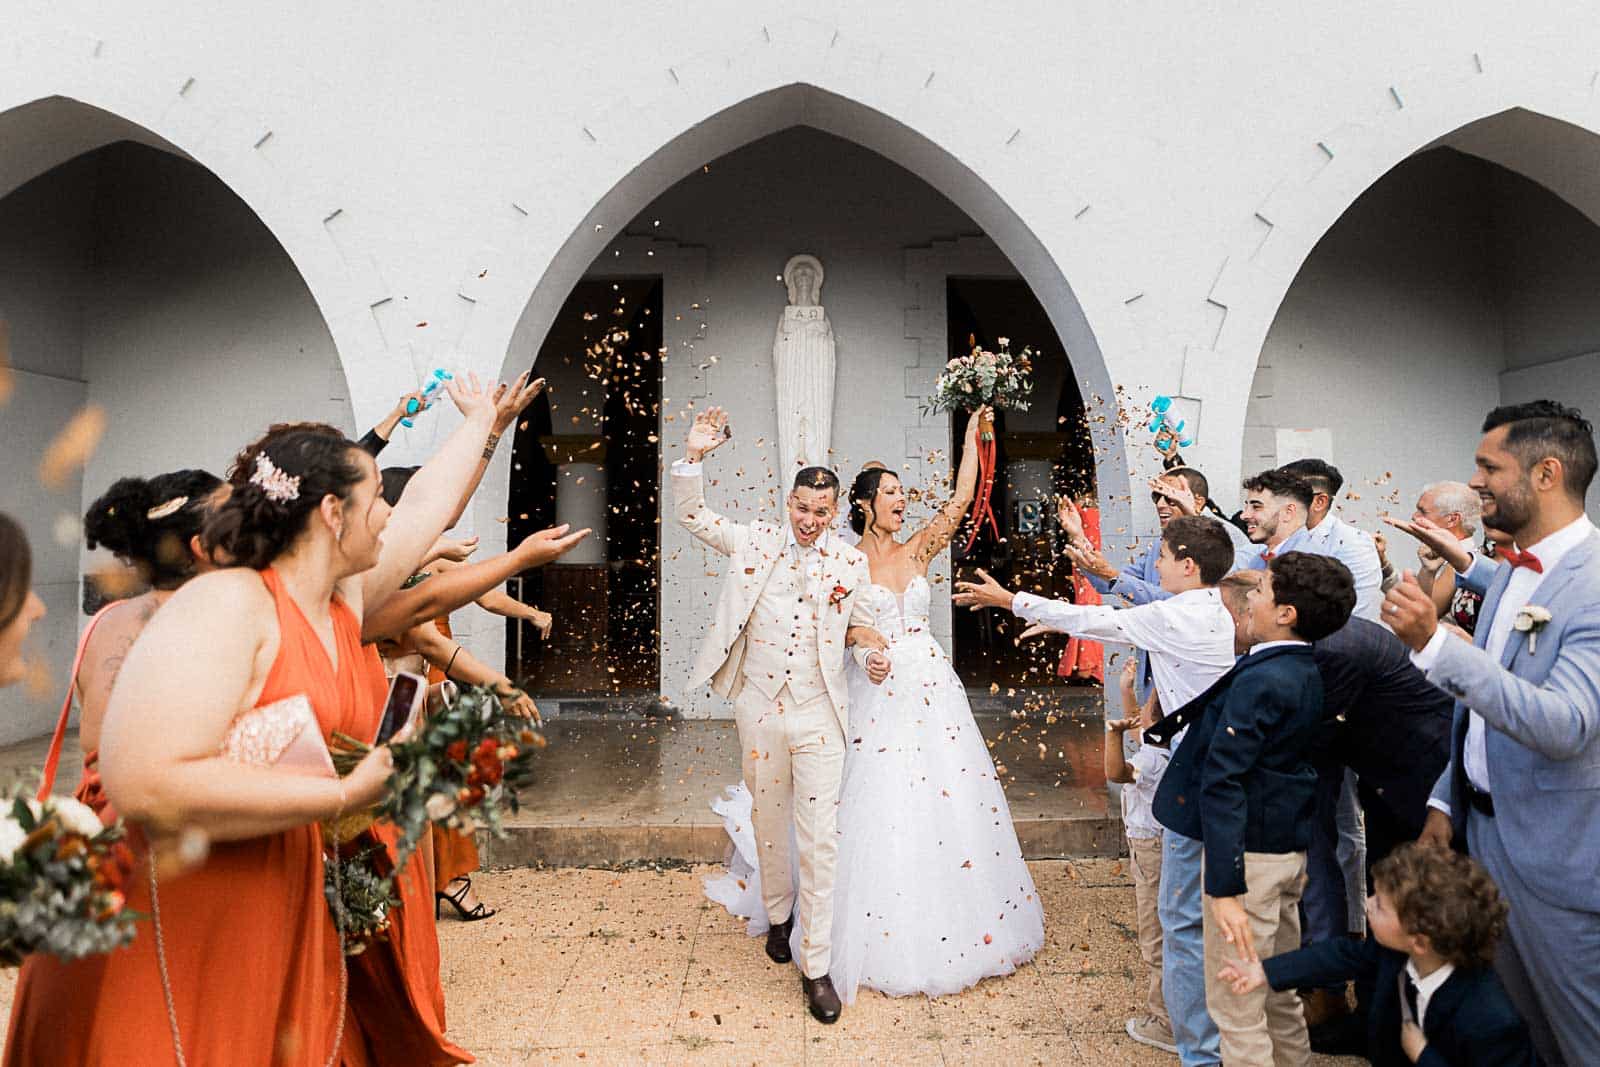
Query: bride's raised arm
point(933, 538)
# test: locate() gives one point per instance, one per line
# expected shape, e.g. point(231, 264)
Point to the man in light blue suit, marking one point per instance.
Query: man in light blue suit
point(1522, 791)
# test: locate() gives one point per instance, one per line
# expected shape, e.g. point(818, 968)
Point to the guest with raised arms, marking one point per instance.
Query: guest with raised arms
point(280, 632)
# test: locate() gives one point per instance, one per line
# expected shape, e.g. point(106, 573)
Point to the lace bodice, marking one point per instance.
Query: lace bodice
point(901, 615)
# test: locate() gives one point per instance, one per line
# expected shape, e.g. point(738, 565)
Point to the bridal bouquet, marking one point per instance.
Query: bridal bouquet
point(462, 768)
point(61, 878)
point(997, 380)
point(982, 378)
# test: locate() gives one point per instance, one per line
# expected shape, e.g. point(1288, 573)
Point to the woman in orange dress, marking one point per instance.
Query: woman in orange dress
point(153, 526)
point(1084, 661)
point(242, 964)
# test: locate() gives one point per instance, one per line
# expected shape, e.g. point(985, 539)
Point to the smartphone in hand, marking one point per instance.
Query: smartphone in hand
point(406, 693)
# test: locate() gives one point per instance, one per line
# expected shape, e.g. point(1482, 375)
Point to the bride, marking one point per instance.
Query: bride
point(932, 894)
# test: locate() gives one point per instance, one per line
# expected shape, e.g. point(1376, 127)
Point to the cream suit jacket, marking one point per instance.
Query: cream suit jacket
point(753, 550)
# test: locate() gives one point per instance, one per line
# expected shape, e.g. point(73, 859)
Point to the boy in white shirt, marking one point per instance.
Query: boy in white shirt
point(1139, 775)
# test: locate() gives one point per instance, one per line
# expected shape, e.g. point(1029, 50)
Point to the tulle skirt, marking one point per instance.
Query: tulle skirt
point(931, 894)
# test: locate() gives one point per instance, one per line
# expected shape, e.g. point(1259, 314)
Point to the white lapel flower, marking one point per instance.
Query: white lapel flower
point(1530, 620)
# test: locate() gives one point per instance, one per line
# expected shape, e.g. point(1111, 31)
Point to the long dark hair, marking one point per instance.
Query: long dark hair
point(258, 521)
point(16, 569)
point(863, 491)
point(149, 523)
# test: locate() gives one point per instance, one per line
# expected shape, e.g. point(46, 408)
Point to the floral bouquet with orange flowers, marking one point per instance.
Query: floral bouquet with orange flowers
point(461, 768)
point(61, 878)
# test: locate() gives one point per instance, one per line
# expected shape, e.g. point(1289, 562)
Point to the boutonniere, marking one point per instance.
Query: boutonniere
point(1530, 620)
point(836, 598)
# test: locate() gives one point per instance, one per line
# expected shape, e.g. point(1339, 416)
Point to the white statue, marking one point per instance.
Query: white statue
point(802, 364)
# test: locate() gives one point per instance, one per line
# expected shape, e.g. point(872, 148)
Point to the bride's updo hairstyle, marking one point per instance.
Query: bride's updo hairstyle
point(863, 491)
point(276, 484)
point(149, 523)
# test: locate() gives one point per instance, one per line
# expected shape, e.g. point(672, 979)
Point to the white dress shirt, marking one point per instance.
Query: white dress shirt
point(1427, 987)
point(1189, 637)
point(1354, 548)
point(1524, 583)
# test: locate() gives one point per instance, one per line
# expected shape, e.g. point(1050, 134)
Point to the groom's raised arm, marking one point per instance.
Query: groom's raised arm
point(715, 531)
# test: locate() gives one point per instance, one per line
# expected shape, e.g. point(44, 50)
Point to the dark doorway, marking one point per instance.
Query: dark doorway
point(1041, 453)
point(602, 359)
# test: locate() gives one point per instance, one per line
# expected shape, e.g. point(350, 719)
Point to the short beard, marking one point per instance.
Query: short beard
point(1513, 510)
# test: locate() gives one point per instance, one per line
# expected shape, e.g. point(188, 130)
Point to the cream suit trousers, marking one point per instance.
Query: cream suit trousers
point(793, 765)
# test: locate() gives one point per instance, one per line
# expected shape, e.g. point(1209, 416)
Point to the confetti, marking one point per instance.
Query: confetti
point(73, 446)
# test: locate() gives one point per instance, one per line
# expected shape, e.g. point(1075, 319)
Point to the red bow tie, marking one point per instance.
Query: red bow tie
point(1266, 557)
point(1520, 559)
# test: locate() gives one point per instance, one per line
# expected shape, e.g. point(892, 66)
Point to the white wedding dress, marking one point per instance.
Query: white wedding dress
point(932, 894)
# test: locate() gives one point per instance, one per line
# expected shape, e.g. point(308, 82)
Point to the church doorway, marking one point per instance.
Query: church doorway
point(1041, 453)
point(588, 454)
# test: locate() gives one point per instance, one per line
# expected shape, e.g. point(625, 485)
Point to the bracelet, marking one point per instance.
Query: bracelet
point(452, 662)
point(490, 444)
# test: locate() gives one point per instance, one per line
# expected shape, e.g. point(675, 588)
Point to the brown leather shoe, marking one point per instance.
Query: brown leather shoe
point(1324, 1006)
point(821, 998)
point(778, 941)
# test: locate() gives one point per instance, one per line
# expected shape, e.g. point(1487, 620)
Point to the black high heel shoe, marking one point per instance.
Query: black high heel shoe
point(478, 911)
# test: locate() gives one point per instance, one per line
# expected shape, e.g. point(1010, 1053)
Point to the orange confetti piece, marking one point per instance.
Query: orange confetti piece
point(73, 446)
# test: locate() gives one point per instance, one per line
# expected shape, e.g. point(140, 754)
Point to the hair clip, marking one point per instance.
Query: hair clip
point(279, 487)
point(161, 511)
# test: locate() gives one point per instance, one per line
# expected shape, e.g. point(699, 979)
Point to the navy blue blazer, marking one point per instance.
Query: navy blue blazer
point(1469, 1022)
point(1383, 719)
point(1242, 779)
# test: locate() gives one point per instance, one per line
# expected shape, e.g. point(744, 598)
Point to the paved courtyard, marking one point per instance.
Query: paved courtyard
point(587, 966)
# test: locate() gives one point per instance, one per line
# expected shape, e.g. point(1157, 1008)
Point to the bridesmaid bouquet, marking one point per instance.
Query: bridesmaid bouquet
point(998, 380)
point(361, 892)
point(61, 878)
point(462, 768)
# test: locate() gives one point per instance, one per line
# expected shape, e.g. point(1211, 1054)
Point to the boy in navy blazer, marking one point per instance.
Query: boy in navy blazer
point(1434, 916)
point(1242, 781)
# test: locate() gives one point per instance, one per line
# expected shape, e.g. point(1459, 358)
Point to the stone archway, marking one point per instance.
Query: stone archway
point(142, 284)
point(1501, 115)
point(589, 246)
point(1463, 278)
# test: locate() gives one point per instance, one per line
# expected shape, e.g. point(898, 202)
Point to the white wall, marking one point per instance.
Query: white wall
point(137, 282)
point(45, 254)
point(1397, 331)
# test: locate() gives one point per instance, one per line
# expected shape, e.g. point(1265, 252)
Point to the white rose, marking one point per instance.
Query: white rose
point(11, 838)
point(440, 807)
point(76, 816)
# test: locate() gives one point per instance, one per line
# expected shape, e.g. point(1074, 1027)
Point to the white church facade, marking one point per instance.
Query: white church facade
point(1350, 231)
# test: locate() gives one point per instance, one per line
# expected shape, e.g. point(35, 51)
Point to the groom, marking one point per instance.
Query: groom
point(776, 648)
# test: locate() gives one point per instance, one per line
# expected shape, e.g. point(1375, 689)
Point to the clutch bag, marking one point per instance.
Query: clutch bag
point(283, 734)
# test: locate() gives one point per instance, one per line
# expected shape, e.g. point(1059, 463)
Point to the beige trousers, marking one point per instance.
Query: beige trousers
point(1144, 863)
point(793, 765)
point(1261, 1028)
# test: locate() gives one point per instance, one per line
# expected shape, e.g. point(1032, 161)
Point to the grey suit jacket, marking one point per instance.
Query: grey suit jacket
point(1542, 710)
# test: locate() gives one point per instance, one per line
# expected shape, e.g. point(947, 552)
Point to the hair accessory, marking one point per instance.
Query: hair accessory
point(161, 511)
point(279, 487)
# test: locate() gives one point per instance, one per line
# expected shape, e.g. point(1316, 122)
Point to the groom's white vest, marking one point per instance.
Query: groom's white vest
point(802, 655)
